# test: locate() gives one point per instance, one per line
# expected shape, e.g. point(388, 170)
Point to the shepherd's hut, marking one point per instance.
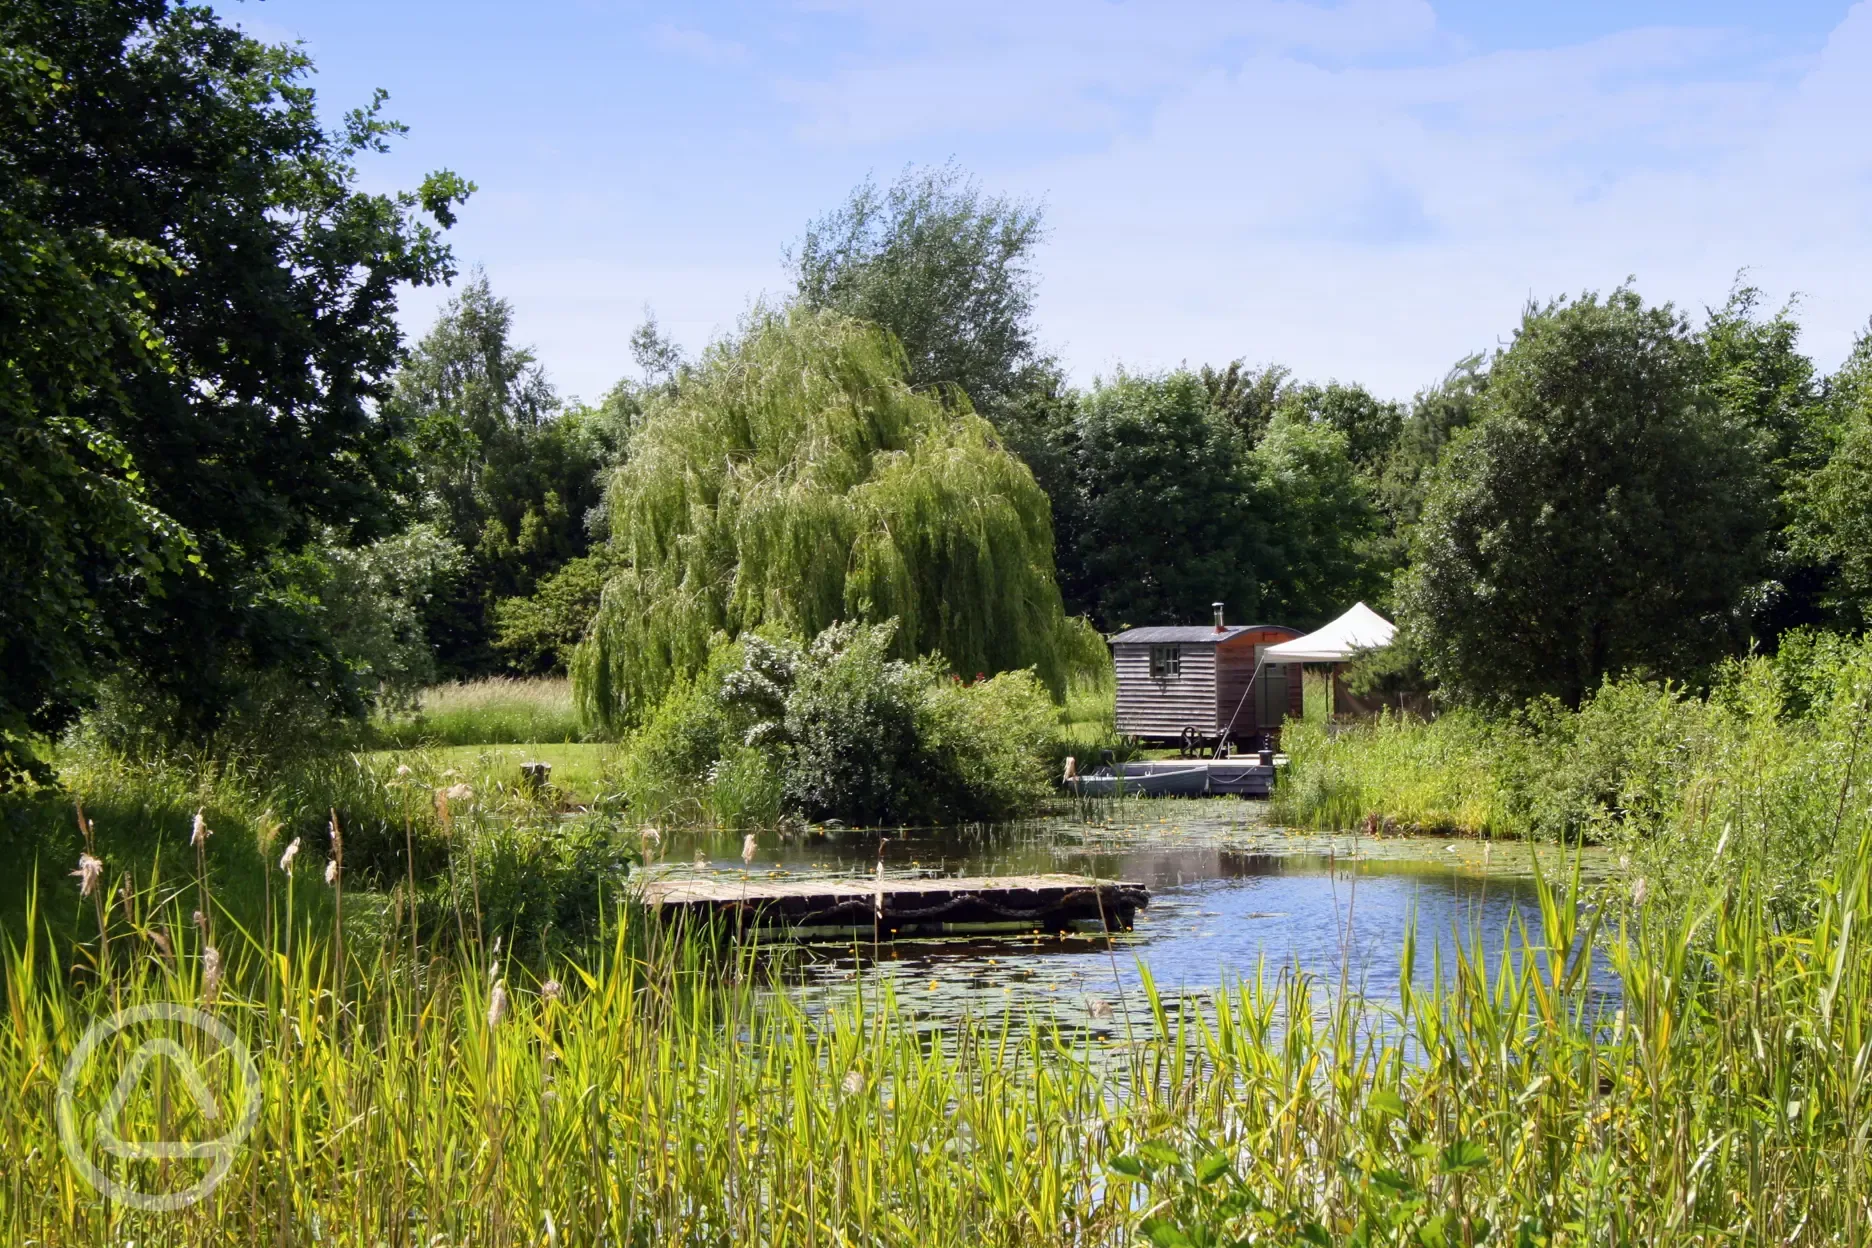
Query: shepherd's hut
point(1200, 685)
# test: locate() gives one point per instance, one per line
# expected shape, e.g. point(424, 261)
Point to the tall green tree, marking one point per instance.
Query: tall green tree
point(1437, 415)
point(793, 479)
point(1247, 397)
point(220, 295)
point(1603, 515)
point(1369, 425)
point(942, 266)
point(1832, 509)
point(1766, 385)
point(506, 470)
point(1161, 517)
point(78, 522)
point(1322, 524)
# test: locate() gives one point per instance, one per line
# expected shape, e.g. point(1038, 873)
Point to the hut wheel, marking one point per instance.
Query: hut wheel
point(1192, 743)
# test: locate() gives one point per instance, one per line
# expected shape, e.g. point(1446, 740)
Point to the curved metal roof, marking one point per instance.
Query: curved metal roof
point(1191, 634)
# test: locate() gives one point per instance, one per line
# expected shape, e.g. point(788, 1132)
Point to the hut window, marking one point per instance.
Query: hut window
point(1166, 662)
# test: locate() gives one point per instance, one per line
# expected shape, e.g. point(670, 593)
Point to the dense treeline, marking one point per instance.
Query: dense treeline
point(239, 509)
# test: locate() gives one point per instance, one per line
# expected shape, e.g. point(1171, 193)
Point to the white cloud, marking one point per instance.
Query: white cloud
point(1344, 190)
point(978, 65)
point(699, 46)
point(1378, 222)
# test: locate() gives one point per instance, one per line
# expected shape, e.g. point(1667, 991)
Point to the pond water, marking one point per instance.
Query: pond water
point(1231, 897)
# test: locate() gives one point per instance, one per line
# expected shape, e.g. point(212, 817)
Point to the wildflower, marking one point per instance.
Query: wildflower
point(89, 869)
point(211, 973)
point(331, 872)
point(497, 1005)
point(198, 837)
point(292, 852)
point(748, 849)
point(551, 991)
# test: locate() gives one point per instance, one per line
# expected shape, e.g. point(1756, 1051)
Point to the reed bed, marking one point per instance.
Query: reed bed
point(660, 1090)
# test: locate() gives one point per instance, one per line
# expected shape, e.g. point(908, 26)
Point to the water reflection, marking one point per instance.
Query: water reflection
point(1231, 897)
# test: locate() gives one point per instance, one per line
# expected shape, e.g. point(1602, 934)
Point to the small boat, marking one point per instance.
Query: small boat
point(1177, 778)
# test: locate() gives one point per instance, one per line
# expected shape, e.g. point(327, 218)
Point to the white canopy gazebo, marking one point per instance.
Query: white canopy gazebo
point(1359, 629)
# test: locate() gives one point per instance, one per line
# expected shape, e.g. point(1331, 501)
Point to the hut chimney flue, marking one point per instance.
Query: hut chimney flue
point(1218, 615)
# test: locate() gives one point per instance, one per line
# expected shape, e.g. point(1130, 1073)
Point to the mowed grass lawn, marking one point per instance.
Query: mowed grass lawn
point(577, 769)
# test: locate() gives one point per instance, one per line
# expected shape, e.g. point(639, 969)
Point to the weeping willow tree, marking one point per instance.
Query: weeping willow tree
point(794, 479)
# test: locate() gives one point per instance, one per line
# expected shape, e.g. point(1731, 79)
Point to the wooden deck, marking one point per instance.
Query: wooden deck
point(894, 907)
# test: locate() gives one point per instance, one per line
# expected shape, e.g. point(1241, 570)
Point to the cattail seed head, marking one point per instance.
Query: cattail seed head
point(211, 973)
point(853, 1083)
point(331, 872)
point(198, 836)
point(551, 991)
point(292, 852)
point(200, 921)
point(89, 869)
point(748, 849)
point(497, 1005)
point(1639, 891)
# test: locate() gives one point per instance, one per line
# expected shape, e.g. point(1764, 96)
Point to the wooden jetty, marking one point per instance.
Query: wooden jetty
point(893, 907)
point(1178, 777)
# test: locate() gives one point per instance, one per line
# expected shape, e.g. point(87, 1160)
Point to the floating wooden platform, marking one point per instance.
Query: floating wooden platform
point(896, 907)
point(1179, 777)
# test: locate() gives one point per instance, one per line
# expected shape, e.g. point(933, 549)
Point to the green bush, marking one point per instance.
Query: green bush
point(839, 730)
point(989, 744)
point(534, 881)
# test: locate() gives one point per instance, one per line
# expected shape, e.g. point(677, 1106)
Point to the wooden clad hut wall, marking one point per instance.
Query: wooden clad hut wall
point(1150, 706)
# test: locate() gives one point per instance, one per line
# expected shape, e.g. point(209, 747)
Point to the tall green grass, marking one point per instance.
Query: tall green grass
point(535, 867)
point(654, 1093)
point(497, 710)
point(1759, 774)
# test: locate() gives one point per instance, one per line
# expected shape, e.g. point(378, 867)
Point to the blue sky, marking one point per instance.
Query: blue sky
point(1365, 190)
